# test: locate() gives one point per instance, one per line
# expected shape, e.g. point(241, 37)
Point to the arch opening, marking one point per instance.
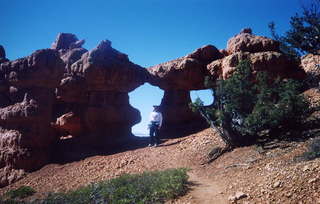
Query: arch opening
point(143, 98)
point(205, 95)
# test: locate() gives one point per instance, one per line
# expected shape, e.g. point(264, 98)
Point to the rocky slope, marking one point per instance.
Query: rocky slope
point(270, 175)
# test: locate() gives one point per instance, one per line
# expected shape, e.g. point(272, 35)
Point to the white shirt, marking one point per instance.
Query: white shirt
point(156, 117)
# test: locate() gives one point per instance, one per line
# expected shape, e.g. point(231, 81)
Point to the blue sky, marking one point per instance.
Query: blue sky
point(149, 31)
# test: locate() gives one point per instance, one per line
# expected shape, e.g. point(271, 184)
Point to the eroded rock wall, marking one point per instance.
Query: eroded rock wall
point(26, 136)
point(94, 96)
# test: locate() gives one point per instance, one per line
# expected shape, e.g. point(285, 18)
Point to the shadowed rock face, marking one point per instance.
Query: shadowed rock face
point(69, 48)
point(106, 69)
point(177, 78)
point(99, 83)
point(66, 41)
point(178, 118)
point(26, 136)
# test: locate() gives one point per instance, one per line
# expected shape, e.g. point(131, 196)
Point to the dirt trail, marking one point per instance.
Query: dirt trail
point(206, 191)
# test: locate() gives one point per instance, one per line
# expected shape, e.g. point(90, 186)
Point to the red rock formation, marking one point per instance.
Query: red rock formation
point(262, 52)
point(71, 94)
point(177, 78)
point(311, 65)
point(108, 76)
point(70, 123)
point(185, 73)
point(245, 41)
point(26, 135)
point(178, 118)
point(69, 90)
point(277, 64)
point(106, 69)
point(66, 41)
point(69, 48)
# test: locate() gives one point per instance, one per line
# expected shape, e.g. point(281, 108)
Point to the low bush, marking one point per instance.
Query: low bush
point(149, 187)
point(21, 192)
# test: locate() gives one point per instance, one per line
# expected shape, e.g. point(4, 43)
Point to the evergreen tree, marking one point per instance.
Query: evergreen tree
point(304, 34)
point(250, 107)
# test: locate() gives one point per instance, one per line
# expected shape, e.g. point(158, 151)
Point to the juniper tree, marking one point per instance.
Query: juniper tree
point(303, 37)
point(250, 107)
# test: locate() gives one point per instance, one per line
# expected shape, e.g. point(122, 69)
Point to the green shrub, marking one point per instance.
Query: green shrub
point(149, 187)
point(21, 192)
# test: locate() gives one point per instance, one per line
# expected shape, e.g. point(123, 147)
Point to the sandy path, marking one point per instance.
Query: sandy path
point(205, 191)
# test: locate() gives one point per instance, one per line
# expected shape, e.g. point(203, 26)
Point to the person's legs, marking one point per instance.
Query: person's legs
point(151, 134)
point(156, 135)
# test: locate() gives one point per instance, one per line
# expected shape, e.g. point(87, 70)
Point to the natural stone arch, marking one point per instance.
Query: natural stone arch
point(177, 78)
point(96, 83)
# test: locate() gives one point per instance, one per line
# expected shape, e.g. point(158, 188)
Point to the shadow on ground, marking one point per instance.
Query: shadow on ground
point(73, 149)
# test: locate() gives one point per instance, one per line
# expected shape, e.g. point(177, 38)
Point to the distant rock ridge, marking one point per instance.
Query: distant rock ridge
point(68, 90)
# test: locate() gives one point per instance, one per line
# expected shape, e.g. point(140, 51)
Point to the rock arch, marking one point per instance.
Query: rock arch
point(68, 89)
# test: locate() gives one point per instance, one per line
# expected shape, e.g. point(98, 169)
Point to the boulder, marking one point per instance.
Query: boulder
point(245, 41)
point(185, 73)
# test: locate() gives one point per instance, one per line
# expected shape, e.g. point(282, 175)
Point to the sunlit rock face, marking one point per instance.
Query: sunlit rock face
point(26, 136)
point(263, 53)
point(275, 63)
point(245, 41)
point(177, 78)
point(185, 73)
point(311, 65)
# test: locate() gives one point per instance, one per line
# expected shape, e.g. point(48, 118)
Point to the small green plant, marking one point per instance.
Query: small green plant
point(21, 192)
point(149, 187)
point(313, 151)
